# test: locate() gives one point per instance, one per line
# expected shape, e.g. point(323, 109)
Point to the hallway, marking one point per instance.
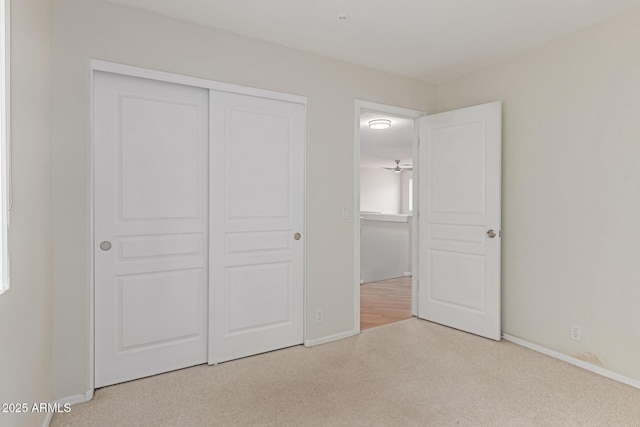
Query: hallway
point(385, 302)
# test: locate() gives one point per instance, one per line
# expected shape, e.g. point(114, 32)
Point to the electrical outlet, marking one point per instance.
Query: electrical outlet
point(576, 332)
point(319, 315)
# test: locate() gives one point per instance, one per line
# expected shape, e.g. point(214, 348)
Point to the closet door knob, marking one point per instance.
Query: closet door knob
point(297, 236)
point(491, 234)
point(105, 246)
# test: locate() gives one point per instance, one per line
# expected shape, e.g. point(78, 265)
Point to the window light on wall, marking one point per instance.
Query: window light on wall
point(410, 194)
point(5, 163)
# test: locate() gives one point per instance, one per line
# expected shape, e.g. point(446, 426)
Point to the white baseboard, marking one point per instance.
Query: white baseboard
point(407, 274)
point(71, 400)
point(77, 398)
point(572, 360)
point(324, 340)
point(47, 419)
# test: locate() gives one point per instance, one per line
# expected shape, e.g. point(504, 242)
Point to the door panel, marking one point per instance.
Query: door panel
point(258, 144)
point(459, 198)
point(257, 206)
point(457, 279)
point(458, 169)
point(257, 296)
point(153, 184)
point(173, 314)
point(151, 204)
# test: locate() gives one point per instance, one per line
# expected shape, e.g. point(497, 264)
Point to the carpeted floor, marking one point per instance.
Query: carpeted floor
point(409, 373)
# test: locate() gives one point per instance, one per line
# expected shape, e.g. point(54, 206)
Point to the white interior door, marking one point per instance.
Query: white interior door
point(257, 207)
point(151, 216)
point(459, 219)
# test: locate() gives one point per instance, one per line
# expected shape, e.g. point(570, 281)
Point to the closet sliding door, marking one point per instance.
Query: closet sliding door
point(198, 224)
point(151, 200)
point(257, 225)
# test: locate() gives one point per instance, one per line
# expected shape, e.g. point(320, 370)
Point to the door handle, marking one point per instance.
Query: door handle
point(297, 236)
point(491, 234)
point(105, 246)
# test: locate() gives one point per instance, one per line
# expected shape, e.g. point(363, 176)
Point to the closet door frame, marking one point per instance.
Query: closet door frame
point(127, 70)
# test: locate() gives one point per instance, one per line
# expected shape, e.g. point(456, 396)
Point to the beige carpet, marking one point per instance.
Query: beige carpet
point(410, 373)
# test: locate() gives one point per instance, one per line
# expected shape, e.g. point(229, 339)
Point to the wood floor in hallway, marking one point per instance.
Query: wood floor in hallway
point(385, 302)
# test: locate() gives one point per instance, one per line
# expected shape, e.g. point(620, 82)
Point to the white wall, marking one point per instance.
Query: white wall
point(87, 29)
point(26, 309)
point(380, 190)
point(571, 190)
point(385, 247)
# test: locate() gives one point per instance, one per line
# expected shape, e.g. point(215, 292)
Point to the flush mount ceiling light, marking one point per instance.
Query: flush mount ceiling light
point(380, 124)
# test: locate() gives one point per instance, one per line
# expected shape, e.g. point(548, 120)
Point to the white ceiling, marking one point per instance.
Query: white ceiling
point(379, 148)
point(431, 40)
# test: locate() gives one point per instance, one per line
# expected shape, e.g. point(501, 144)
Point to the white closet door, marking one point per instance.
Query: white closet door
point(257, 209)
point(459, 219)
point(151, 216)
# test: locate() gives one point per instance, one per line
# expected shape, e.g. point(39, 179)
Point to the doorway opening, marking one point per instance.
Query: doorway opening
point(386, 146)
point(456, 198)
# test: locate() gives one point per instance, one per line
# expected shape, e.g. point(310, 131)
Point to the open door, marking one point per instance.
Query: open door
point(459, 219)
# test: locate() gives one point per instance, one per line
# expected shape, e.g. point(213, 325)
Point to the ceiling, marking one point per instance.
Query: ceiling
point(430, 40)
point(379, 148)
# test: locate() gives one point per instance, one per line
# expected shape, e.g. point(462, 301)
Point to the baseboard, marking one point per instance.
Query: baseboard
point(71, 400)
point(47, 419)
point(77, 398)
point(407, 274)
point(324, 340)
point(572, 360)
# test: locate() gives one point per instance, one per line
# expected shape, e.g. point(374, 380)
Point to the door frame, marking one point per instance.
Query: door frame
point(96, 65)
point(360, 107)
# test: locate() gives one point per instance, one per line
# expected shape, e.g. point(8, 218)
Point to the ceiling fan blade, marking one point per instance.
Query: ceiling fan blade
point(396, 168)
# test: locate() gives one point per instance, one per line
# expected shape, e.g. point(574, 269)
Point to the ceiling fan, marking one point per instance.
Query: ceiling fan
point(398, 169)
